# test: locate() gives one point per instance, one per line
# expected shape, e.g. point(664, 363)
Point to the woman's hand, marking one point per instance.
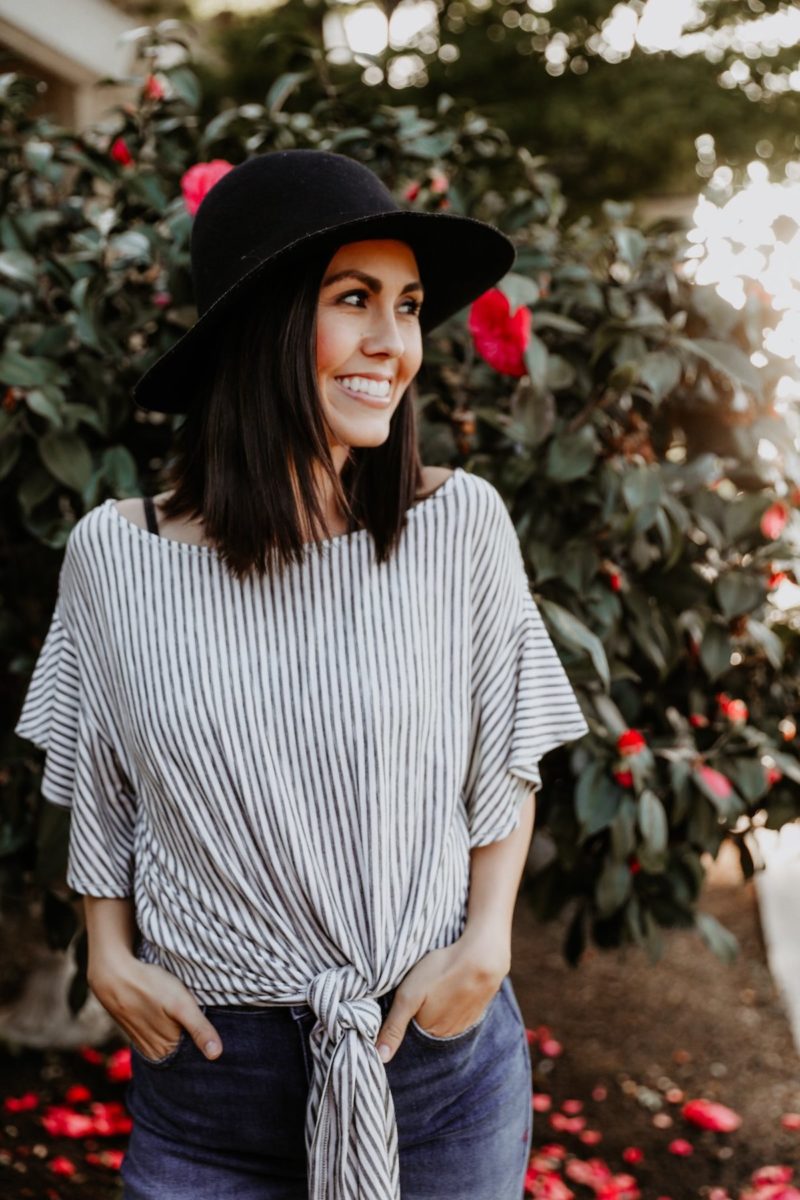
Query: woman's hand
point(447, 990)
point(152, 1006)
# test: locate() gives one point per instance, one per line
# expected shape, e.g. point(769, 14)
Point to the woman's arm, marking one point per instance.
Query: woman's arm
point(495, 875)
point(148, 1002)
point(458, 981)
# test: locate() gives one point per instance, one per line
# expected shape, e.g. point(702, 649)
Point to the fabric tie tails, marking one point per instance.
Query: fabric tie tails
point(351, 1131)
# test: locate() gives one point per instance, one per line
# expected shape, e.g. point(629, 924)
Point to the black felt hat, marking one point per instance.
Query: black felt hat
point(271, 209)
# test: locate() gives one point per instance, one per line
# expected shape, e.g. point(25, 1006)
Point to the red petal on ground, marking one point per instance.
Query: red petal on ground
point(571, 1107)
point(590, 1137)
point(565, 1124)
point(708, 1114)
point(542, 1102)
point(790, 1120)
point(599, 1092)
point(90, 1055)
point(77, 1093)
point(551, 1048)
point(62, 1166)
point(774, 1174)
point(681, 1147)
point(60, 1121)
point(632, 1155)
point(21, 1103)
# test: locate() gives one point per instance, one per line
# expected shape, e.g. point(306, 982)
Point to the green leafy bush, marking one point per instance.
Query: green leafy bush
point(627, 451)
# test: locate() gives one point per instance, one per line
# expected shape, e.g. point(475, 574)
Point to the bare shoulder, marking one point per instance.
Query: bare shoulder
point(433, 478)
point(132, 508)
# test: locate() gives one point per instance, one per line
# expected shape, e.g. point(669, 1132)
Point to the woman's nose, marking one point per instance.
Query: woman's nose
point(384, 335)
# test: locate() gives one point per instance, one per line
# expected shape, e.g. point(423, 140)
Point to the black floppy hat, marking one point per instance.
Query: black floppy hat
point(272, 208)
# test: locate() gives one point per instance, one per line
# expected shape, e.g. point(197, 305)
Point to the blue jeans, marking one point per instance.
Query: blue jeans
point(232, 1129)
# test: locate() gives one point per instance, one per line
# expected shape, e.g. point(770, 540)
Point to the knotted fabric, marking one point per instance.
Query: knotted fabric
point(351, 1132)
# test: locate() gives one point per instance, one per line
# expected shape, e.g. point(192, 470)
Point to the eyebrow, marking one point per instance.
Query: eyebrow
point(370, 280)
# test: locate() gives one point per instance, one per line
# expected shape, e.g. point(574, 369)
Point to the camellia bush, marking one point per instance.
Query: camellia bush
point(614, 405)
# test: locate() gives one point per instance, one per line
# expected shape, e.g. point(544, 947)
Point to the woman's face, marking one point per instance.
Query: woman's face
point(369, 342)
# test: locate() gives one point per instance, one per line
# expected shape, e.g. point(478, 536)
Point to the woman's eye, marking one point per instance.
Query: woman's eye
point(415, 304)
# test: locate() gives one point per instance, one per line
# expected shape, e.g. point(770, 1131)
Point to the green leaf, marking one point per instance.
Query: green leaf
point(536, 361)
point(725, 357)
point(720, 940)
point(738, 592)
point(597, 799)
point(519, 289)
point(769, 642)
point(23, 370)
point(571, 456)
point(641, 486)
point(574, 633)
point(661, 372)
point(653, 822)
point(613, 887)
point(715, 650)
point(282, 88)
point(19, 266)
point(553, 320)
point(67, 458)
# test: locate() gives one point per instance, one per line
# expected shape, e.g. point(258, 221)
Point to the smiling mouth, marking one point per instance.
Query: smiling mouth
point(364, 397)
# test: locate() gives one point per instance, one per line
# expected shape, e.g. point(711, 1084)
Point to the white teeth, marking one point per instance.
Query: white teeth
point(357, 383)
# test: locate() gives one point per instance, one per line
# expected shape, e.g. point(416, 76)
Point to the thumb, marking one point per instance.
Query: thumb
point(204, 1035)
point(392, 1031)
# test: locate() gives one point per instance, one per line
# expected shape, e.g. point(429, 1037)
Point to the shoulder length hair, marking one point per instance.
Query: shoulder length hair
point(246, 452)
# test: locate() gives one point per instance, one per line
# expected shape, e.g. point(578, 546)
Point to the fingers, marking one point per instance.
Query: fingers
point(201, 1031)
point(393, 1029)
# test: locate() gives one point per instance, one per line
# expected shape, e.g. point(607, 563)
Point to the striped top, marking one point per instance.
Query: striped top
point(288, 775)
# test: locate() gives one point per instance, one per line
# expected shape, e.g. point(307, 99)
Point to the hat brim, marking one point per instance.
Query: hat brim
point(459, 258)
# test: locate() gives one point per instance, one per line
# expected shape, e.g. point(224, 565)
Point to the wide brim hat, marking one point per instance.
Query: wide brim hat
point(275, 208)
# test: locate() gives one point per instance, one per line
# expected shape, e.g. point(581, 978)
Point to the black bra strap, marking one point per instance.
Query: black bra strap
point(150, 513)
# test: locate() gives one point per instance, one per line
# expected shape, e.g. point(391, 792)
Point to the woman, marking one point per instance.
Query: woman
point(297, 710)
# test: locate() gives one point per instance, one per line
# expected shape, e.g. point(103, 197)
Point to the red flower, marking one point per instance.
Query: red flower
point(630, 742)
point(162, 299)
point(153, 88)
point(632, 1155)
point(791, 1121)
point(439, 183)
point(716, 782)
point(565, 1124)
point(698, 720)
point(737, 711)
point(110, 1118)
point(773, 520)
point(634, 866)
point(681, 1147)
point(412, 191)
point(615, 581)
point(541, 1102)
point(624, 778)
point(550, 1047)
point(710, 1115)
point(198, 181)
point(571, 1107)
point(62, 1166)
point(106, 1158)
point(118, 1067)
point(499, 337)
point(76, 1093)
point(775, 578)
point(590, 1137)
point(120, 153)
point(774, 775)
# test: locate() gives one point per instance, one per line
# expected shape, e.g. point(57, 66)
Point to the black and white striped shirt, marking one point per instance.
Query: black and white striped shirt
point(288, 775)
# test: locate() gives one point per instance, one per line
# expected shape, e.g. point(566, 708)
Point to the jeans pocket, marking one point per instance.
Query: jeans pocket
point(167, 1059)
point(450, 1038)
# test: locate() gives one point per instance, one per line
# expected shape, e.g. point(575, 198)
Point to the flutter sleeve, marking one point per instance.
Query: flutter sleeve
point(82, 771)
point(523, 704)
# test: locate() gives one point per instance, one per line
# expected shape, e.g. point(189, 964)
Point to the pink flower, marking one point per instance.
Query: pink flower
point(153, 88)
point(632, 1155)
point(710, 1115)
point(120, 153)
point(439, 183)
point(572, 1107)
point(716, 782)
point(541, 1102)
point(550, 1047)
point(565, 1124)
point(499, 337)
point(681, 1147)
point(590, 1137)
point(198, 181)
point(773, 520)
point(162, 299)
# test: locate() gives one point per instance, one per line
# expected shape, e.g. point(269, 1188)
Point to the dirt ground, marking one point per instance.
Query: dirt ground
point(689, 1023)
point(639, 1035)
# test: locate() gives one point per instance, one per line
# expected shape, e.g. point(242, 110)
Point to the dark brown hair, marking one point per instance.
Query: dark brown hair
point(255, 433)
